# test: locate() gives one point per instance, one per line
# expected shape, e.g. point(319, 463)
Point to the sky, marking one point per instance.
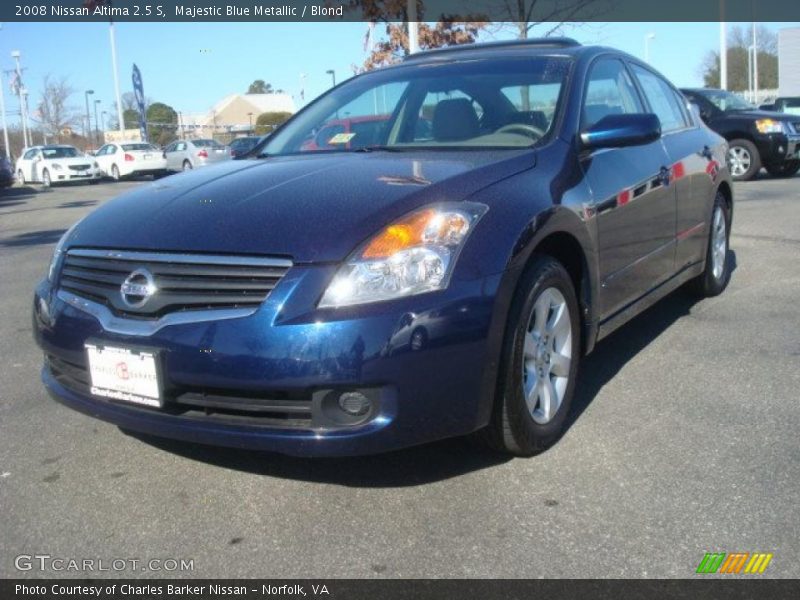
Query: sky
point(191, 66)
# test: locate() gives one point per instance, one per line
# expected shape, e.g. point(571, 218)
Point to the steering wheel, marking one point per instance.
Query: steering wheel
point(522, 128)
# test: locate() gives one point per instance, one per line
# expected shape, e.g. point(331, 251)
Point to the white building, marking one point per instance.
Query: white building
point(234, 113)
point(789, 62)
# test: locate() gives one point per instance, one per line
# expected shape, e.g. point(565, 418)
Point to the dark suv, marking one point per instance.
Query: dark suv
point(756, 138)
point(424, 282)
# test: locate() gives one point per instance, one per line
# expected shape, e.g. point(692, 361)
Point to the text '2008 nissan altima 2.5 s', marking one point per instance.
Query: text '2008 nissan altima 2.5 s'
point(436, 275)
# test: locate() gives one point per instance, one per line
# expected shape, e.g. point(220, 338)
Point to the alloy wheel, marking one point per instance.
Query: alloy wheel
point(719, 243)
point(547, 355)
point(739, 160)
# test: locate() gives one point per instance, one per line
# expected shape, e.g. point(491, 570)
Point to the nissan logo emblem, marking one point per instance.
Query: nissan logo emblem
point(137, 288)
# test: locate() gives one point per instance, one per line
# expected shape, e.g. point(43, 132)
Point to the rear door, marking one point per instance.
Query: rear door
point(634, 205)
point(691, 160)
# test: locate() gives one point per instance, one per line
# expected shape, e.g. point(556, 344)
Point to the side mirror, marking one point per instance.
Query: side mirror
point(618, 131)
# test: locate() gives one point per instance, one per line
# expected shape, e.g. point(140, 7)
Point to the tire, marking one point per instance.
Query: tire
point(115, 173)
point(543, 322)
point(717, 274)
point(744, 161)
point(21, 177)
point(187, 166)
point(784, 169)
point(46, 181)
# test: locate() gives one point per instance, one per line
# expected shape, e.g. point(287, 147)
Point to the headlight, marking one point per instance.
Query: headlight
point(769, 126)
point(56, 166)
point(58, 253)
point(413, 255)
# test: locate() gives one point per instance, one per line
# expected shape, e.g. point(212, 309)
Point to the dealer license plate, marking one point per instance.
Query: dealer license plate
point(124, 374)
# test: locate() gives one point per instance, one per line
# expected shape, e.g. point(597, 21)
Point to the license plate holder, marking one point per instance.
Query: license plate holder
point(127, 374)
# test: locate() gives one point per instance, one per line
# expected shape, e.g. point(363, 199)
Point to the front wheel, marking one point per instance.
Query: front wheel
point(46, 181)
point(539, 364)
point(784, 169)
point(714, 279)
point(744, 161)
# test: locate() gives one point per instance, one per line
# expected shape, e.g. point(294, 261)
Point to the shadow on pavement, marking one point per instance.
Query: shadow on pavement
point(16, 193)
point(403, 468)
point(448, 458)
point(34, 238)
point(78, 204)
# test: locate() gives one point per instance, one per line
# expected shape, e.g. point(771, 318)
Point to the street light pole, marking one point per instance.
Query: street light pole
point(88, 127)
point(5, 126)
point(16, 56)
point(250, 117)
point(755, 65)
point(332, 73)
point(413, 27)
point(96, 128)
point(116, 74)
point(723, 47)
point(647, 38)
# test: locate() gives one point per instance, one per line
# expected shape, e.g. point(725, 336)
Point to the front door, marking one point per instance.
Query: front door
point(633, 201)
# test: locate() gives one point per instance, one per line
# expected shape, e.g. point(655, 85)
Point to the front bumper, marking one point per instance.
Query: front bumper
point(67, 175)
point(778, 148)
point(422, 360)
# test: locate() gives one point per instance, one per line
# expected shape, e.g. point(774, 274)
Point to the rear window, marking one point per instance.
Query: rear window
point(143, 147)
point(207, 143)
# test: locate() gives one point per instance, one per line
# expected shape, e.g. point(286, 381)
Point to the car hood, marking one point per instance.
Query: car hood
point(763, 114)
point(313, 208)
point(73, 160)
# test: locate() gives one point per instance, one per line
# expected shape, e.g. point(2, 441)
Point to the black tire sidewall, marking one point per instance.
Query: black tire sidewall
point(785, 169)
point(711, 286)
point(521, 434)
point(46, 180)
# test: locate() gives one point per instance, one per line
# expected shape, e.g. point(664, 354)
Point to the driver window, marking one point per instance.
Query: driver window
point(609, 91)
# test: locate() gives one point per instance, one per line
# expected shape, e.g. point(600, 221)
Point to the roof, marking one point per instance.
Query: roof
point(548, 43)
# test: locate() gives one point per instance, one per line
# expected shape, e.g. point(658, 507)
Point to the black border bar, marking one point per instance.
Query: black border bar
point(431, 10)
point(730, 588)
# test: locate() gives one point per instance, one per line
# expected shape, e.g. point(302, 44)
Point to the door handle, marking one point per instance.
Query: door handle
point(664, 176)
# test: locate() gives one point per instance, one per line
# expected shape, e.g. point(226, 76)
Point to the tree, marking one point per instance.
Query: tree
point(162, 122)
point(259, 86)
point(55, 113)
point(525, 15)
point(268, 121)
point(446, 32)
point(739, 40)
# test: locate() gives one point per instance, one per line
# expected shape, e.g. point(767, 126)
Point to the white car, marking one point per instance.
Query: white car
point(56, 164)
point(125, 159)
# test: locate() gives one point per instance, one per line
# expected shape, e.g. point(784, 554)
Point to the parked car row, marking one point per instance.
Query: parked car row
point(60, 163)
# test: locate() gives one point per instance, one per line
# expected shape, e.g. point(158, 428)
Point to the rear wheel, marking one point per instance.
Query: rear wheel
point(21, 177)
point(187, 166)
point(784, 169)
point(46, 181)
point(115, 173)
point(744, 161)
point(714, 279)
point(539, 362)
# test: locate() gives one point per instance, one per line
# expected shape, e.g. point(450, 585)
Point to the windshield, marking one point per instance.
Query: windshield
point(726, 101)
point(498, 103)
point(145, 147)
point(60, 152)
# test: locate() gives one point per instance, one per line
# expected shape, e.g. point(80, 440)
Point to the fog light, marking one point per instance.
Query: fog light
point(354, 403)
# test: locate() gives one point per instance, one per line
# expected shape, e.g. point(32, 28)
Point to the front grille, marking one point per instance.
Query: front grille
point(180, 282)
point(79, 167)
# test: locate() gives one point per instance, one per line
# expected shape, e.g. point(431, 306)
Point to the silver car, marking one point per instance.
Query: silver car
point(183, 155)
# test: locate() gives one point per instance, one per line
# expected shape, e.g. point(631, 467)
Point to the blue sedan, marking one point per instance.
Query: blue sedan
point(438, 273)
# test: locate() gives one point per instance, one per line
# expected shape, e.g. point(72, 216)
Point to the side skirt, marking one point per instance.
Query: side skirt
point(641, 304)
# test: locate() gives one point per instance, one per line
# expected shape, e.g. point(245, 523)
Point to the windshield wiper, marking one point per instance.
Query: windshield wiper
point(377, 147)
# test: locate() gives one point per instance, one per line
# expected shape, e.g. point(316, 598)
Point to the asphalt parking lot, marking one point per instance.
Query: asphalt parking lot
point(684, 440)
